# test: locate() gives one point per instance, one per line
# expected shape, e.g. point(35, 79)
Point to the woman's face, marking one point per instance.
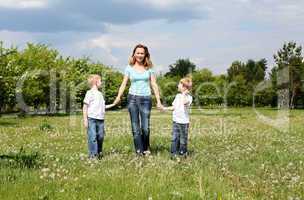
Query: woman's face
point(139, 55)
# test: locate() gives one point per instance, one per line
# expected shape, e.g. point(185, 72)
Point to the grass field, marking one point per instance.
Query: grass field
point(233, 155)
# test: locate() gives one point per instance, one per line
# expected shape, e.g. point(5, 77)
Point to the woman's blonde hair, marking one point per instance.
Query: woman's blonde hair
point(187, 82)
point(93, 78)
point(147, 61)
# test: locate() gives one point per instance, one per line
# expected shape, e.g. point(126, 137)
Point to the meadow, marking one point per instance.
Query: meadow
point(233, 155)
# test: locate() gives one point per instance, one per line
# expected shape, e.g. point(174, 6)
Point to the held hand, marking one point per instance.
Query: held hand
point(116, 101)
point(160, 106)
point(110, 106)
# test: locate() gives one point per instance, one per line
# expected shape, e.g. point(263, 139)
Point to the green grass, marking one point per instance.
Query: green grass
point(233, 155)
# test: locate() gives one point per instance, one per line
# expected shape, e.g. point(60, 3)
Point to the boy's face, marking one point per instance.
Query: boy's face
point(181, 87)
point(98, 83)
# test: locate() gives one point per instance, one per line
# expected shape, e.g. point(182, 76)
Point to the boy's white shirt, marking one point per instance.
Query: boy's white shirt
point(96, 104)
point(181, 110)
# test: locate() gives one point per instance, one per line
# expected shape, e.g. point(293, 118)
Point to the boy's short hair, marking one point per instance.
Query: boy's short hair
point(92, 78)
point(187, 82)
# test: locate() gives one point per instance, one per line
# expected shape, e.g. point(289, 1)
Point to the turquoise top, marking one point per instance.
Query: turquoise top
point(140, 81)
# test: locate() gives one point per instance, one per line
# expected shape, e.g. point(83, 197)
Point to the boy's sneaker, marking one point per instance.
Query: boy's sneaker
point(139, 153)
point(183, 154)
point(147, 153)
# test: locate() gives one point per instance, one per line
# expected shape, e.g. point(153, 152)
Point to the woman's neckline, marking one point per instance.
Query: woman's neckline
point(138, 71)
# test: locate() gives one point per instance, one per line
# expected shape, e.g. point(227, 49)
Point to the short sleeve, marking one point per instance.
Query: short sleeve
point(152, 72)
point(87, 98)
point(127, 71)
point(190, 99)
point(175, 101)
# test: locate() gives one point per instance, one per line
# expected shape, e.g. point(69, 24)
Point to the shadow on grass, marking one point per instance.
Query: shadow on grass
point(221, 114)
point(159, 148)
point(20, 160)
point(6, 123)
point(166, 149)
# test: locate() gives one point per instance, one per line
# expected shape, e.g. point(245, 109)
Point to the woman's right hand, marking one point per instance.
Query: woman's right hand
point(116, 101)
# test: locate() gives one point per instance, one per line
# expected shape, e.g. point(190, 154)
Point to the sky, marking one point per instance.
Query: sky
point(211, 33)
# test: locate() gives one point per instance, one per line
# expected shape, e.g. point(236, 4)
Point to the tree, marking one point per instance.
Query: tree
point(255, 70)
point(236, 69)
point(7, 77)
point(289, 59)
point(252, 71)
point(181, 68)
point(245, 77)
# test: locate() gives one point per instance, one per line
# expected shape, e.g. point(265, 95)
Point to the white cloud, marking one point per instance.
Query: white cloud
point(120, 40)
point(237, 30)
point(170, 3)
point(23, 4)
point(166, 4)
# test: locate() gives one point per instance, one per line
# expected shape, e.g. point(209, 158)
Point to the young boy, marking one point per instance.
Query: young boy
point(93, 116)
point(180, 107)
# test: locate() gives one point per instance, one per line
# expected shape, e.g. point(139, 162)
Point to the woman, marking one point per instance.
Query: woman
point(142, 77)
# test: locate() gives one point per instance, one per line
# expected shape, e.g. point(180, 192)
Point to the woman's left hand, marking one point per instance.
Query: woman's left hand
point(160, 106)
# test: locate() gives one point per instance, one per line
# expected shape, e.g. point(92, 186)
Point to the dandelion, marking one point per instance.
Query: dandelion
point(45, 170)
point(52, 175)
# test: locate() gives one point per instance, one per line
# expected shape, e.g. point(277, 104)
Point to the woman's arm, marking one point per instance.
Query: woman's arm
point(156, 91)
point(121, 89)
point(85, 115)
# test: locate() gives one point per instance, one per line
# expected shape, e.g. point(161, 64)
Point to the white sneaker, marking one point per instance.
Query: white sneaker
point(147, 153)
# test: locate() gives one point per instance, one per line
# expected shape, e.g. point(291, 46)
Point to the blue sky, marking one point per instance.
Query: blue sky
point(210, 33)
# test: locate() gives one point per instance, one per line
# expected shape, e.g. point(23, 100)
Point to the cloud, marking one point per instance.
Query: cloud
point(23, 4)
point(78, 15)
point(211, 33)
point(168, 4)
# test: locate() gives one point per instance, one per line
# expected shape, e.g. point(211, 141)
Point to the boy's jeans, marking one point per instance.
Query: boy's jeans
point(95, 136)
point(179, 139)
point(139, 109)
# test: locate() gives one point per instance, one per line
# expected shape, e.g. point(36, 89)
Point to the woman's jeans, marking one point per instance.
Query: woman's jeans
point(139, 109)
point(179, 139)
point(95, 136)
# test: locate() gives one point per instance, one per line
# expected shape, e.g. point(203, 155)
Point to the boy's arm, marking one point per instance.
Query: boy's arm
point(110, 106)
point(171, 108)
point(85, 115)
point(174, 103)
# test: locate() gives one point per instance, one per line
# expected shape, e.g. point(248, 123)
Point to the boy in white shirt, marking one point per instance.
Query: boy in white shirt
point(180, 107)
point(93, 116)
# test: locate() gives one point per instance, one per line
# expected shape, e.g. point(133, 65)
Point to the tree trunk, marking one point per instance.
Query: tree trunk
point(293, 94)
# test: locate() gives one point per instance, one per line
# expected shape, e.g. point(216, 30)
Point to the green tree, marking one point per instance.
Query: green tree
point(290, 60)
point(181, 68)
point(8, 77)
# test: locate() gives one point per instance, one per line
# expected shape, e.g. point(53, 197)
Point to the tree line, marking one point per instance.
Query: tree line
point(37, 78)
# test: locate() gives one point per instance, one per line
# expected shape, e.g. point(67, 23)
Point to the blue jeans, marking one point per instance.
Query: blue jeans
point(95, 136)
point(179, 139)
point(139, 108)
